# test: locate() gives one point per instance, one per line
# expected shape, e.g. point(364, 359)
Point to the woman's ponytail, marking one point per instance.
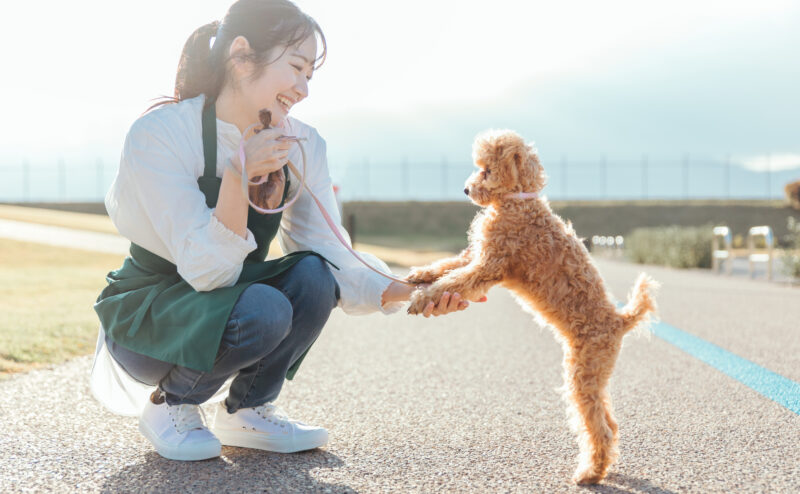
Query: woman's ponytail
point(265, 24)
point(197, 71)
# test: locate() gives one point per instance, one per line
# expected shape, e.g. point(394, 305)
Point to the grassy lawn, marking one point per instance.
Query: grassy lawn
point(47, 293)
point(46, 298)
point(416, 222)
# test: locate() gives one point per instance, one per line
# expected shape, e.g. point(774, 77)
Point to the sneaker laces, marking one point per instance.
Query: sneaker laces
point(187, 417)
point(270, 412)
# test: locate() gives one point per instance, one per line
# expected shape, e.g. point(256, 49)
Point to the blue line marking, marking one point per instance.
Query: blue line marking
point(773, 386)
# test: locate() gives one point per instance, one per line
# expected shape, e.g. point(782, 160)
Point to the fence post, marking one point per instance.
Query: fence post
point(769, 177)
point(603, 178)
point(62, 180)
point(26, 181)
point(404, 171)
point(728, 176)
point(444, 177)
point(100, 178)
point(366, 179)
point(644, 176)
point(686, 176)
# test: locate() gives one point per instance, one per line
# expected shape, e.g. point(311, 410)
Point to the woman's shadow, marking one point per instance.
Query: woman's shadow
point(237, 470)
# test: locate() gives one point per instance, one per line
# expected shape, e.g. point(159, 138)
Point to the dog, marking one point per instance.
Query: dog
point(517, 241)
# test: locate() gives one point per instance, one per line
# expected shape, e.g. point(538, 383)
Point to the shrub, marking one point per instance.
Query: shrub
point(791, 259)
point(675, 246)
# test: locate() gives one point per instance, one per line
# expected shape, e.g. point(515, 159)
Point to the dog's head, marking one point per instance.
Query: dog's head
point(505, 164)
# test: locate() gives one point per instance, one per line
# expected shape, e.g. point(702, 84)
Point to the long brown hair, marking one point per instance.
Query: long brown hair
point(264, 23)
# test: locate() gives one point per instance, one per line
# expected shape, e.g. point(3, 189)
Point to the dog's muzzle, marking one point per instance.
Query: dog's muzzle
point(466, 190)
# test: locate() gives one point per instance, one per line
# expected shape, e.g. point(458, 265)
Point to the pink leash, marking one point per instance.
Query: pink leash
point(328, 219)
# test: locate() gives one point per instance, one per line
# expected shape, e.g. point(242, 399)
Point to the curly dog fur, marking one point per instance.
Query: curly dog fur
point(523, 245)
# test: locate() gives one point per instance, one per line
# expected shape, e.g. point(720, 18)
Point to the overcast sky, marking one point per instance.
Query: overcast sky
point(418, 79)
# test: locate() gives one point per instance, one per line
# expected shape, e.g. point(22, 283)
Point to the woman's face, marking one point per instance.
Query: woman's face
point(283, 83)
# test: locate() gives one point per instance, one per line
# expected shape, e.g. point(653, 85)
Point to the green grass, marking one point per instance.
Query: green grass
point(674, 246)
point(416, 242)
point(791, 259)
point(417, 221)
point(46, 299)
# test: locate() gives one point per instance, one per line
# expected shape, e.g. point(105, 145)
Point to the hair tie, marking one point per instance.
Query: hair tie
point(217, 35)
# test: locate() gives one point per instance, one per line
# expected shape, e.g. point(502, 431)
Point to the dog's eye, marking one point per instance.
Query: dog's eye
point(486, 173)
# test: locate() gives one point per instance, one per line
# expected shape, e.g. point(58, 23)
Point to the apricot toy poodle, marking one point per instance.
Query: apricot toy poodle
point(516, 240)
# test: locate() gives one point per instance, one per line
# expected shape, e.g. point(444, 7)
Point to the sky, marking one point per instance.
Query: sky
point(417, 80)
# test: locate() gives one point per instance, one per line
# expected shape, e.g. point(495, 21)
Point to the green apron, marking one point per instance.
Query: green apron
point(148, 308)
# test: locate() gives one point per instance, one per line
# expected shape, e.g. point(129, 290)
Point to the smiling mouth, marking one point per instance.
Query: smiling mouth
point(285, 103)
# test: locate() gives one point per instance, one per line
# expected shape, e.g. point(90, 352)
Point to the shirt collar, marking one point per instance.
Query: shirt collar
point(228, 134)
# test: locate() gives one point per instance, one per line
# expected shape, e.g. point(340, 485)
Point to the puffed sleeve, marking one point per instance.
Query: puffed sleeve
point(304, 228)
point(155, 201)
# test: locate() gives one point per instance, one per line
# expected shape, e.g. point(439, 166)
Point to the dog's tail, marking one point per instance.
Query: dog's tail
point(641, 304)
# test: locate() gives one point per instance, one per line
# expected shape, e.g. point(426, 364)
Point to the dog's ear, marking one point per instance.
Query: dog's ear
point(513, 171)
point(536, 173)
point(510, 160)
point(513, 154)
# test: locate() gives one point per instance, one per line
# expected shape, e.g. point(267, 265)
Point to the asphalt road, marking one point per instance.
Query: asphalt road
point(462, 403)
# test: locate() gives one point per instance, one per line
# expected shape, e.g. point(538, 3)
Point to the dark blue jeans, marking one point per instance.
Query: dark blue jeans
point(270, 327)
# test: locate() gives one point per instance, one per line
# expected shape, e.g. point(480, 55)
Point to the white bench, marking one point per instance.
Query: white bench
point(760, 255)
point(721, 249)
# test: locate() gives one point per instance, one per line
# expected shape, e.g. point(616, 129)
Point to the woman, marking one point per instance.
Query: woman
point(196, 310)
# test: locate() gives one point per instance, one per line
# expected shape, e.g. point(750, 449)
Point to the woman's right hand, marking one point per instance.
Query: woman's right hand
point(264, 153)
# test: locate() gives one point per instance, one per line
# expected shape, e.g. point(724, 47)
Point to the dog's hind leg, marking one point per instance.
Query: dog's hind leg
point(587, 369)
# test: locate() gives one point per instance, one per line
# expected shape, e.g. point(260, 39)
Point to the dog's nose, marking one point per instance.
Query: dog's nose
point(466, 190)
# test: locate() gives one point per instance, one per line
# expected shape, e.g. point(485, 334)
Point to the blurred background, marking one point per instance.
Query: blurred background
point(624, 99)
point(682, 114)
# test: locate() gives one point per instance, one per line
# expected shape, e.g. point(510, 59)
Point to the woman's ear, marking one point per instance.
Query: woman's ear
point(238, 53)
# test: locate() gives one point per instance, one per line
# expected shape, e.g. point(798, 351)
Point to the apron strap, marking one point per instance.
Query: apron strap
point(210, 140)
point(209, 183)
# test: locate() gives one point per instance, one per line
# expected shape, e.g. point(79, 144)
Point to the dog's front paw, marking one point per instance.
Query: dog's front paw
point(419, 300)
point(422, 275)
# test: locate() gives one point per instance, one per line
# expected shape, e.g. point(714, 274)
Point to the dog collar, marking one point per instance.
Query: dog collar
point(523, 195)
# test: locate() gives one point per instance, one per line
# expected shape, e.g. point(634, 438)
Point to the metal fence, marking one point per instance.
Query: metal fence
point(600, 179)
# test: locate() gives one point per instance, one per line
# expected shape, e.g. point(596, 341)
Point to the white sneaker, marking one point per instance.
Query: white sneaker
point(266, 427)
point(178, 432)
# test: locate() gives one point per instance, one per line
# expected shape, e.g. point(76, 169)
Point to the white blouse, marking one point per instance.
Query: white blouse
point(155, 202)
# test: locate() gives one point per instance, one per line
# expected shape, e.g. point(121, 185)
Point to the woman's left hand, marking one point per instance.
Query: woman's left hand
point(447, 303)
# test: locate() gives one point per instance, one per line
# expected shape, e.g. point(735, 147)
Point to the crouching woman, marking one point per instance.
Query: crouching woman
point(196, 313)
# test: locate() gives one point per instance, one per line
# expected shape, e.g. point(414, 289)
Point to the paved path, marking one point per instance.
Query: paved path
point(463, 403)
point(116, 244)
point(64, 237)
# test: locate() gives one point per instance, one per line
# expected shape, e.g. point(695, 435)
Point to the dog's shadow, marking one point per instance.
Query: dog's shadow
point(237, 470)
point(617, 483)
